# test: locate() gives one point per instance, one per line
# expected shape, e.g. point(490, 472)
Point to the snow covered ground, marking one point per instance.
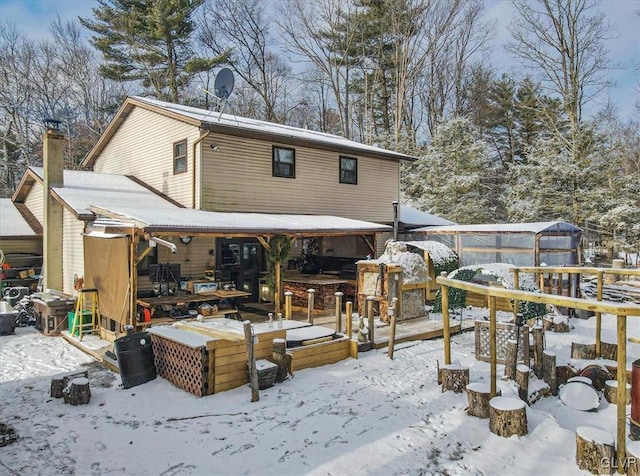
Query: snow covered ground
point(367, 416)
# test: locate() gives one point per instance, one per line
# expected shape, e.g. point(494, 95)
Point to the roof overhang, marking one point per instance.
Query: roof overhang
point(177, 222)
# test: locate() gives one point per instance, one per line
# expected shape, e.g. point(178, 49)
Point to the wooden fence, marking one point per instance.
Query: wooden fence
point(623, 311)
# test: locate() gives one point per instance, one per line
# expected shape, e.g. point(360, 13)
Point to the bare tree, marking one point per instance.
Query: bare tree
point(310, 29)
point(561, 42)
point(239, 29)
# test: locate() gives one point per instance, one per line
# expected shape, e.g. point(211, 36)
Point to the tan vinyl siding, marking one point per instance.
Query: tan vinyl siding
point(35, 201)
point(143, 147)
point(238, 178)
point(22, 245)
point(381, 242)
point(72, 250)
point(192, 258)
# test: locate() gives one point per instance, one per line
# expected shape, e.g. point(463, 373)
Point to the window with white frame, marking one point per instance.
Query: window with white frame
point(180, 157)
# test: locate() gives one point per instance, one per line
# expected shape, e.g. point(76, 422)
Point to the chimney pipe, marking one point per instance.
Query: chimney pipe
point(395, 221)
point(53, 162)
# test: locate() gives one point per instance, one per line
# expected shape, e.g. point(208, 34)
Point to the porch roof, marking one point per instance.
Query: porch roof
point(187, 221)
point(12, 223)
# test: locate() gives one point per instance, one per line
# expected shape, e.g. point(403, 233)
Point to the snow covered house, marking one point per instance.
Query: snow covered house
point(214, 188)
point(554, 243)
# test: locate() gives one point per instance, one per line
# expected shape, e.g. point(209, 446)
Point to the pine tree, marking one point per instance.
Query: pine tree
point(453, 178)
point(148, 41)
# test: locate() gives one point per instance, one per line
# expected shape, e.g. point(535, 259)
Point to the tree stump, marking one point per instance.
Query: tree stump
point(511, 359)
point(522, 379)
point(549, 374)
point(609, 351)
point(595, 450)
point(547, 324)
point(583, 351)
point(77, 392)
point(611, 392)
point(59, 382)
point(454, 377)
point(282, 359)
point(633, 458)
point(538, 349)
point(478, 395)
point(561, 325)
point(507, 416)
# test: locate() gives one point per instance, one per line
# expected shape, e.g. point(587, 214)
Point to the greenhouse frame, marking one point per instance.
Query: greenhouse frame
point(554, 243)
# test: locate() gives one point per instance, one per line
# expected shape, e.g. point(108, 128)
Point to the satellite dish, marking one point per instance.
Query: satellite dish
point(223, 84)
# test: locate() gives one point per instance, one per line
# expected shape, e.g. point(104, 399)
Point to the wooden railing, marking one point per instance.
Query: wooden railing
point(601, 273)
point(621, 310)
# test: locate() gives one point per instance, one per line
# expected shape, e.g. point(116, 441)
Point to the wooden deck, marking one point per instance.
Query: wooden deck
point(420, 328)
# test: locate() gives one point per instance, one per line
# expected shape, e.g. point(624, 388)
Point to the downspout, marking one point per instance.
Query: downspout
point(193, 160)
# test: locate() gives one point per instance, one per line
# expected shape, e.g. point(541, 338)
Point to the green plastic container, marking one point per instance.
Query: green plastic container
point(74, 328)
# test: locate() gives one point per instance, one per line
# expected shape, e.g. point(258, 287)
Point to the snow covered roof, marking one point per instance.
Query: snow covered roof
point(12, 223)
point(241, 126)
point(190, 221)
point(84, 188)
point(410, 216)
point(537, 227)
point(121, 201)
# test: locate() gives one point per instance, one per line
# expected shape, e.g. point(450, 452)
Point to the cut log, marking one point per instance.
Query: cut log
point(507, 416)
point(59, 382)
point(583, 351)
point(77, 392)
point(478, 395)
point(522, 379)
point(609, 351)
point(511, 359)
point(538, 349)
point(549, 374)
point(611, 392)
point(561, 325)
point(564, 373)
point(454, 377)
point(595, 450)
point(633, 458)
point(282, 359)
point(547, 324)
point(598, 375)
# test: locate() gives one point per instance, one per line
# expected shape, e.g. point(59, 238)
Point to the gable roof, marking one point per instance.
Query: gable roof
point(84, 188)
point(232, 125)
point(12, 223)
point(537, 227)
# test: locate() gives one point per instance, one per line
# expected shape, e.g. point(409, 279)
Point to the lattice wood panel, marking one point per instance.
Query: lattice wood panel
point(183, 366)
point(504, 333)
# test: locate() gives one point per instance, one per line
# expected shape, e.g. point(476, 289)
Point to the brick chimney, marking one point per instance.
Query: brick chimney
point(53, 161)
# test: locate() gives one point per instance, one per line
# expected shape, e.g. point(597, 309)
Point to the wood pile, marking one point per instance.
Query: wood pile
point(622, 291)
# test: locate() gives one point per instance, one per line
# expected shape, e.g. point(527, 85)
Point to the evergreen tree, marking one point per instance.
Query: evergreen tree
point(148, 41)
point(453, 177)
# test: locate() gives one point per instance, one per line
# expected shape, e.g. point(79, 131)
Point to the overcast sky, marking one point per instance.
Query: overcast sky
point(34, 16)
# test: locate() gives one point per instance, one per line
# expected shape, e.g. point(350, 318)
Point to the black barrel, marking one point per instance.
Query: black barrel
point(135, 359)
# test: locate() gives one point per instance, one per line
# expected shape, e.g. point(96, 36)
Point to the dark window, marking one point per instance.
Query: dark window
point(284, 162)
point(348, 170)
point(150, 259)
point(180, 157)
